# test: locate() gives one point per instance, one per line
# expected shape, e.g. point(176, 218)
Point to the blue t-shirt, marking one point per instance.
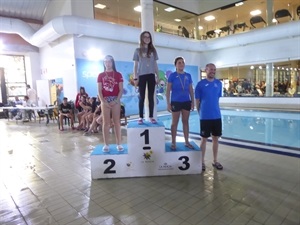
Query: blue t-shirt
point(209, 92)
point(180, 87)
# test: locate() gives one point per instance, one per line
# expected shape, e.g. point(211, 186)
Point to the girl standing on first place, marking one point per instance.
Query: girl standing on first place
point(110, 89)
point(145, 73)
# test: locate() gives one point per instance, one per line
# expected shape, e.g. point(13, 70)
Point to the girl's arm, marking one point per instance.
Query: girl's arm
point(168, 93)
point(191, 90)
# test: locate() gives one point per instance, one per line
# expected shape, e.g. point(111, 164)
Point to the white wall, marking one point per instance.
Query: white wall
point(258, 53)
point(123, 51)
point(57, 8)
point(58, 62)
point(32, 67)
point(84, 8)
point(250, 102)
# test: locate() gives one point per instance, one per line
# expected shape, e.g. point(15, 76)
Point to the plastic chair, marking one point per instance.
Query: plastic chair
point(239, 26)
point(211, 34)
point(283, 13)
point(256, 19)
point(226, 29)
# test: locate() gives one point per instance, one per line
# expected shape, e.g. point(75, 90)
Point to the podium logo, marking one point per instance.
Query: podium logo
point(165, 166)
point(147, 155)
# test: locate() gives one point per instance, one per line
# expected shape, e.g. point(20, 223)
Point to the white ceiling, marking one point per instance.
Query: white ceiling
point(28, 10)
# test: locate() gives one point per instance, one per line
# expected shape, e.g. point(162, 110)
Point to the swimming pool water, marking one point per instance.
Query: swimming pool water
point(280, 129)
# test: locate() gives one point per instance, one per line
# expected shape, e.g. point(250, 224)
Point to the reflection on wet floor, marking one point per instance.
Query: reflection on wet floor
point(46, 179)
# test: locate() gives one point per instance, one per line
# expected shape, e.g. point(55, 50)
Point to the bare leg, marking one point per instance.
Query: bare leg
point(175, 119)
point(185, 125)
point(106, 122)
point(203, 147)
point(215, 147)
point(116, 110)
point(61, 121)
point(94, 123)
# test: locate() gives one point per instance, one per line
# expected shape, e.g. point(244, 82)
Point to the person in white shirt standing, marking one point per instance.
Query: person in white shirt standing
point(31, 93)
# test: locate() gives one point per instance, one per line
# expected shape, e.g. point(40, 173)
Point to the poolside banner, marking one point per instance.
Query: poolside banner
point(87, 73)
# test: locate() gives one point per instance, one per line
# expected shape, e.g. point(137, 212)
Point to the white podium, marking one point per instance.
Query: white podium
point(146, 154)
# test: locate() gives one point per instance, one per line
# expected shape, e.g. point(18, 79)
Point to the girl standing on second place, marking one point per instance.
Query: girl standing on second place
point(181, 102)
point(145, 73)
point(110, 89)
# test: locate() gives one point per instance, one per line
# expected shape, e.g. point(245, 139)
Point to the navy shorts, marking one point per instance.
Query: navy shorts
point(178, 106)
point(211, 127)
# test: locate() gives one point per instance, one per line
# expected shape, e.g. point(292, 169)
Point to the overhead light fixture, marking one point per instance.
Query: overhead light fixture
point(93, 54)
point(200, 28)
point(170, 9)
point(138, 8)
point(239, 3)
point(255, 12)
point(100, 6)
point(177, 20)
point(209, 18)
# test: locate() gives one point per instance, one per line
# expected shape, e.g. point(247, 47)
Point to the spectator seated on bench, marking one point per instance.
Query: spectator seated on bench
point(65, 111)
point(27, 114)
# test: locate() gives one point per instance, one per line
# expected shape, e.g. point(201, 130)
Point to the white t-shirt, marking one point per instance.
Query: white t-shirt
point(31, 93)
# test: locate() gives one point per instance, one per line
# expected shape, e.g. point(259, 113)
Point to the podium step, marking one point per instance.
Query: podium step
point(180, 147)
point(112, 150)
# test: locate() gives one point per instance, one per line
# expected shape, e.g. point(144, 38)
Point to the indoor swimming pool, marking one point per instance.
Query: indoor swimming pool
point(271, 128)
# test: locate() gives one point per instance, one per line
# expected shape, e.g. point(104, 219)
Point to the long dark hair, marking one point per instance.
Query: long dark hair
point(83, 89)
point(109, 57)
point(151, 48)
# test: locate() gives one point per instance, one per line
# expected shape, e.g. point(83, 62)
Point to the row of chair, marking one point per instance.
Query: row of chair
point(282, 13)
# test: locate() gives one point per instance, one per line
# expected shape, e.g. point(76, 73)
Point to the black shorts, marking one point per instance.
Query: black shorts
point(211, 127)
point(178, 106)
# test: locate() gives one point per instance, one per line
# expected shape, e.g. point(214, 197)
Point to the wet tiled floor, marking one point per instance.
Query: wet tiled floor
point(46, 179)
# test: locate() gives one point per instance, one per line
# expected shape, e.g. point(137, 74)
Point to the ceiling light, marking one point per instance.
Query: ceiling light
point(209, 18)
point(200, 28)
point(177, 20)
point(255, 12)
point(100, 6)
point(239, 3)
point(138, 8)
point(170, 9)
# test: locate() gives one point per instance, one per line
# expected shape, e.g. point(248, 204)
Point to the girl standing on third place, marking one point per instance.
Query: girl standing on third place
point(110, 90)
point(180, 89)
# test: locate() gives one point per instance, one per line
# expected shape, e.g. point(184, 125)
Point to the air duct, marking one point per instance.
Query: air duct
point(74, 25)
